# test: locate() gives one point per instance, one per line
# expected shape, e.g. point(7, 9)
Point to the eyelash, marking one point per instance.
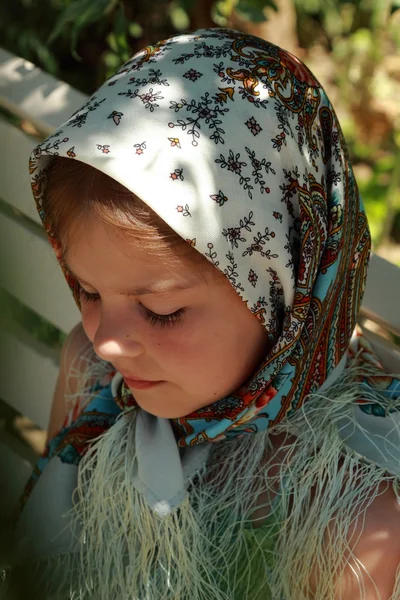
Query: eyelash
point(150, 316)
point(164, 320)
point(84, 295)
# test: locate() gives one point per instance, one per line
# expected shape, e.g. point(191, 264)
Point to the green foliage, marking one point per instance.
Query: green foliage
point(250, 10)
point(253, 10)
point(178, 13)
point(30, 43)
point(24, 30)
point(78, 15)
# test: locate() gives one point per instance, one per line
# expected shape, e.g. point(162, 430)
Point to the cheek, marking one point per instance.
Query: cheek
point(173, 346)
point(219, 357)
point(178, 349)
point(194, 354)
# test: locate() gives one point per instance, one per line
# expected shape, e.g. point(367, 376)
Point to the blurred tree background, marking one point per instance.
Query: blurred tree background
point(352, 46)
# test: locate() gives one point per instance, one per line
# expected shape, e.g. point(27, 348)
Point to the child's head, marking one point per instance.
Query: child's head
point(152, 306)
point(238, 159)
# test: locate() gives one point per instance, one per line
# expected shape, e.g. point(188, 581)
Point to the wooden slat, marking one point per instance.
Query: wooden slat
point(29, 92)
point(28, 377)
point(388, 353)
point(30, 272)
point(15, 187)
point(382, 295)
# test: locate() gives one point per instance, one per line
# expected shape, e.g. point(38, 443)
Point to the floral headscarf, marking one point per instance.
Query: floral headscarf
point(234, 144)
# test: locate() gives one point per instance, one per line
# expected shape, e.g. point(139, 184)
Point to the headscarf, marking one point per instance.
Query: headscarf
point(234, 144)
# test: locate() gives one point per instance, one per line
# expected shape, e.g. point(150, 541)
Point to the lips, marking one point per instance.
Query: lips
point(134, 378)
point(140, 384)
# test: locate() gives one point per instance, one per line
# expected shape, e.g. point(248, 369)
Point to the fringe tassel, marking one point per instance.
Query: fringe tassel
point(233, 538)
point(191, 553)
point(325, 490)
point(85, 370)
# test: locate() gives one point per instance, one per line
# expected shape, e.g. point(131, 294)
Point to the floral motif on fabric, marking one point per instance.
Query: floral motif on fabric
point(258, 167)
point(258, 244)
point(192, 75)
point(149, 98)
point(232, 274)
point(253, 277)
point(175, 142)
point(116, 116)
point(78, 119)
point(51, 147)
point(154, 77)
point(220, 198)
point(233, 164)
point(140, 148)
point(104, 148)
point(204, 110)
point(177, 175)
point(211, 254)
point(183, 210)
point(234, 234)
point(73, 440)
point(254, 127)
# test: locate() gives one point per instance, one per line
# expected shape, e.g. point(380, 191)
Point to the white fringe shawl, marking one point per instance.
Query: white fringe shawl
point(212, 547)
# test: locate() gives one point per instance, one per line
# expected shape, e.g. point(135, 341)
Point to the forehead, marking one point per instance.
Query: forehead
point(104, 257)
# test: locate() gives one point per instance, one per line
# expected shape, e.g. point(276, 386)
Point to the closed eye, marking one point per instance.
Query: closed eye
point(150, 316)
point(86, 297)
point(163, 320)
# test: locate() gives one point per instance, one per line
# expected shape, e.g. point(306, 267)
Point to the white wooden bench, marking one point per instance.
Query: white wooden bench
point(29, 272)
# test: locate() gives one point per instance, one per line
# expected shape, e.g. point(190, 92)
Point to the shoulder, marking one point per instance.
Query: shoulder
point(80, 368)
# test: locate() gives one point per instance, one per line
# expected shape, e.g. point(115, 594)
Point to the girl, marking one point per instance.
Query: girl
point(226, 435)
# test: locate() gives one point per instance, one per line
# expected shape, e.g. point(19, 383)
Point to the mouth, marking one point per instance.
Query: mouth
point(141, 384)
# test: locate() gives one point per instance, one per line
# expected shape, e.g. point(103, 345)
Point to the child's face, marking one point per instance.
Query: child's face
point(203, 353)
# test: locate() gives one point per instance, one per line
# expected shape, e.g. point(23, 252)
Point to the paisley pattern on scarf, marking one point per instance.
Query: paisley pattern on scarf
point(254, 172)
point(81, 426)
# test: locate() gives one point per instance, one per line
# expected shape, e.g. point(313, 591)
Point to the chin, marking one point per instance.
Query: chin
point(164, 410)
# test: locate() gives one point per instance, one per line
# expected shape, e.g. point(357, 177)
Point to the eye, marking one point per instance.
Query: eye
point(163, 320)
point(86, 297)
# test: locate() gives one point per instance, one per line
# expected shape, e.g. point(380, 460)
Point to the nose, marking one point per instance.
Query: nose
point(115, 337)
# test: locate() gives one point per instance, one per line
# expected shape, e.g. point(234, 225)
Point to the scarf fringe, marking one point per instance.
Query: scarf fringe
point(85, 370)
point(214, 547)
point(325, 491)
point(136, 554)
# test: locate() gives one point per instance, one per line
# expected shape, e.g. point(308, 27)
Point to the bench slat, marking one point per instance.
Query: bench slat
point(15, 186)
point(386, 352)
point(32, 393)
point(35, 95)
point(382, 295)
point(29, 271)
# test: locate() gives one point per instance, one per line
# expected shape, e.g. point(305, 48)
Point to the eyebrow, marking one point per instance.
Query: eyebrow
point(155, 288)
